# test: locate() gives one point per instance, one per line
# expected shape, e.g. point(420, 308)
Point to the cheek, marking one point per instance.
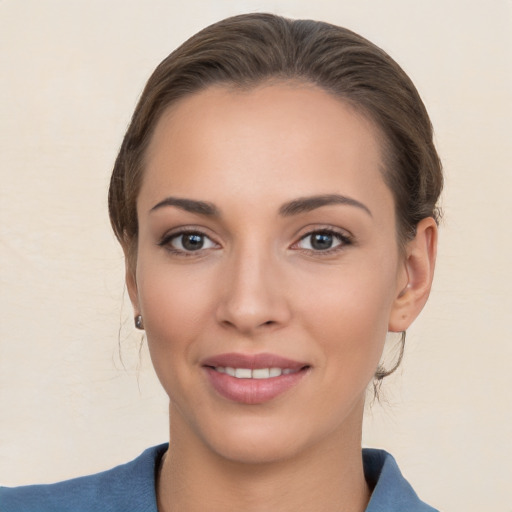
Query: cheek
point(348, 314)
point(176, 309)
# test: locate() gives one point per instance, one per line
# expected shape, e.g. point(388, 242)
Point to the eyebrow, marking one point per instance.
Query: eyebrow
point(295, 207)
point(189, 205)
point(307, 204)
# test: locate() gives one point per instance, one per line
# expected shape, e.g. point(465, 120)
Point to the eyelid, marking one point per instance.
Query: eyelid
point(342, 235)
point(173, 233)
point(345, 238)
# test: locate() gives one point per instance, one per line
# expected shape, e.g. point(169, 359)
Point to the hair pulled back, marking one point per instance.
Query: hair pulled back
point(247, 50)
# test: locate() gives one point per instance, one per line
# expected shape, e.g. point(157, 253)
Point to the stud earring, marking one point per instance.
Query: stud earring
point(139, 324)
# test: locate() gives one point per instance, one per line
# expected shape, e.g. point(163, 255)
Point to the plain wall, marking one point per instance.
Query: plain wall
point(76, 397)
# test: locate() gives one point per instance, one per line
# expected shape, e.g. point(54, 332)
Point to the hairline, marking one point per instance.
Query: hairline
point(300, 82)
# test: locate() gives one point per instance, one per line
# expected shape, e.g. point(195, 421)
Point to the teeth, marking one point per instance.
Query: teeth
point(243, 373)
point(257, 373)
point(261, 373)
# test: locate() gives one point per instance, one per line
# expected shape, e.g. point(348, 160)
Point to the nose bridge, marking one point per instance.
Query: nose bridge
point(253, 296)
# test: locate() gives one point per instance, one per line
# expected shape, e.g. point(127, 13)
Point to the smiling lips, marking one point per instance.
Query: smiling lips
point(256, 373)
point(253, 379)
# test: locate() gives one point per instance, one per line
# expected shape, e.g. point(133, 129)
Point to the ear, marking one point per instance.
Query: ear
point(417, 272)
point(131, 282)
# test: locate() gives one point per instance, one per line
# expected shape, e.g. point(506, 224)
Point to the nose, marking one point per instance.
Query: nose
point(254, 294)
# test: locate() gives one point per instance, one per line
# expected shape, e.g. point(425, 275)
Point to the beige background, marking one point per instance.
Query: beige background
point(71, 72)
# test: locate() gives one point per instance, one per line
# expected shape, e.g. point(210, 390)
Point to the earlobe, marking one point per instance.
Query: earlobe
point(419, 263)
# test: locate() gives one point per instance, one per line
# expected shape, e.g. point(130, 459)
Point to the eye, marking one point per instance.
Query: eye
point(186, 242)
point(323, 240)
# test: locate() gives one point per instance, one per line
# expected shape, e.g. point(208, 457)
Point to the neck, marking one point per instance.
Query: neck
point(327, 477)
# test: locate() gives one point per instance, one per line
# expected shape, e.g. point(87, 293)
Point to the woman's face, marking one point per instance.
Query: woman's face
point(267, 249)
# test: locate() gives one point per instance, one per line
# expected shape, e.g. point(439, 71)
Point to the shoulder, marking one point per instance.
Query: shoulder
point(391, 491)
point(130, 486)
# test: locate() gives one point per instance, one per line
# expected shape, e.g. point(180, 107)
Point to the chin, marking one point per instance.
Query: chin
point(265, 439)
point(257, 445)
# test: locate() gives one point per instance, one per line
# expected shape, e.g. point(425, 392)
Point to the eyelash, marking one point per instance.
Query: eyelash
point(168, 238)
point(343, 239)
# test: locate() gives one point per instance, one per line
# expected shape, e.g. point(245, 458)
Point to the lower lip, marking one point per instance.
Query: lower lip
point(252, 391)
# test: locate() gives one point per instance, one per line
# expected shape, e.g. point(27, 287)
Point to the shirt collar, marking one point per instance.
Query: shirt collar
point(391, 491)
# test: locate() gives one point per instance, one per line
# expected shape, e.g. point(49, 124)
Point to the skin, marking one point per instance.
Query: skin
point(258, 285)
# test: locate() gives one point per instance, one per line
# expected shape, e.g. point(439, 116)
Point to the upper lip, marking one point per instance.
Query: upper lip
point(253, 361)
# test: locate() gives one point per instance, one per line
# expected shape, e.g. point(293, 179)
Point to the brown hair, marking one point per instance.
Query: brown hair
point(247, 50)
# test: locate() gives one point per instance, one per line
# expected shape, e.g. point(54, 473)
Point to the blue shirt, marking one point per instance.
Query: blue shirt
point(131, 488)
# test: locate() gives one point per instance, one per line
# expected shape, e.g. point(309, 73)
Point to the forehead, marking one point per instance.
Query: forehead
point(277, 140)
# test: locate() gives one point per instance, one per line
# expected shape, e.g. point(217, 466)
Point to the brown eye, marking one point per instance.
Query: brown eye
point(319, 241)
point(189, 242)
point(192, 242)
point(322, 241)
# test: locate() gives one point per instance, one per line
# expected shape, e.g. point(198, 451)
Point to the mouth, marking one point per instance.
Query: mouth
point(256, 373)
point(253, 379)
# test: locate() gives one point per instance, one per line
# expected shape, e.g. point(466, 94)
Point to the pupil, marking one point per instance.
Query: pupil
point(321, 241)
point(192, 242)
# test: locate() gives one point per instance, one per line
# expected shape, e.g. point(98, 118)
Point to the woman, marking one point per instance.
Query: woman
point(275, 197)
